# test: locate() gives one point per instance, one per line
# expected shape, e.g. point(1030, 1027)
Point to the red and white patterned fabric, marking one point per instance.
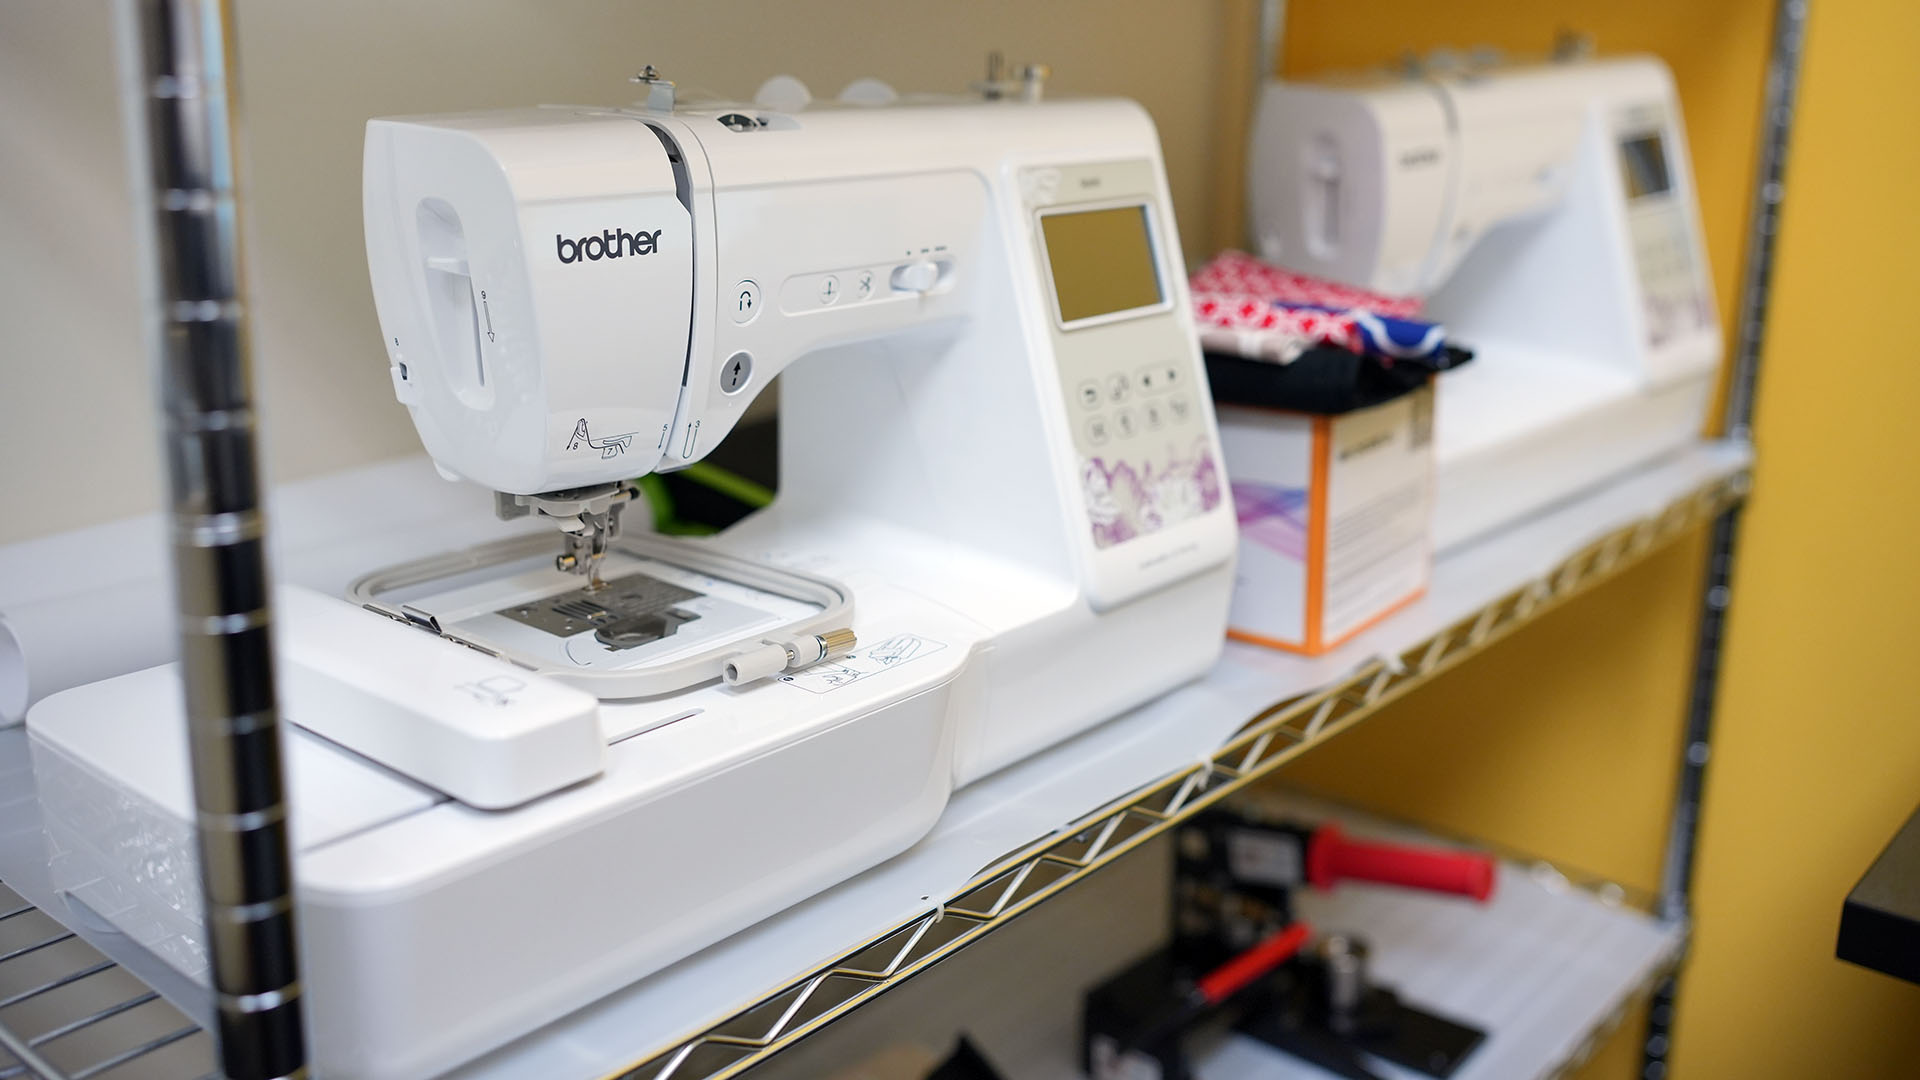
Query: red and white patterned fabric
point(1239, 272)
point(1251, 325)
point(1244, 306)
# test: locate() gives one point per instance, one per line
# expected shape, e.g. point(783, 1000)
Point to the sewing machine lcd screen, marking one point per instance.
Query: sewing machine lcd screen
point(1101, 261)
point(1644, 161)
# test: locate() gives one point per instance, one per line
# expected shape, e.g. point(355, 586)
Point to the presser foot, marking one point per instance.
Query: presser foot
point(588, 519)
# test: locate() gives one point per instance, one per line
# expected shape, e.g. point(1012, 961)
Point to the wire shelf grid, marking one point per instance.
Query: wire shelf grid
point(1028, 876)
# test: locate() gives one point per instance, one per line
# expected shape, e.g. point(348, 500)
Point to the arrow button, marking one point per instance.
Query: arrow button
point(736, 373)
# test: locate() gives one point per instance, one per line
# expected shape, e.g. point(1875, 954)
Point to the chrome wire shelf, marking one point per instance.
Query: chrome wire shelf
point(1031, 874)
point(69, 1013)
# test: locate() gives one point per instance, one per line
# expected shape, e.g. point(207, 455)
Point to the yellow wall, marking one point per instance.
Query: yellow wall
point(1562, 739)
point(1818, 754)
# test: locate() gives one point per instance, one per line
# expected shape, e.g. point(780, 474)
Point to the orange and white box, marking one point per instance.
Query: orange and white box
point(1336, 518)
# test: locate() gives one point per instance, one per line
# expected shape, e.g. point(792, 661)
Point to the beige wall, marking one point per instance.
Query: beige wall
point(77, 440)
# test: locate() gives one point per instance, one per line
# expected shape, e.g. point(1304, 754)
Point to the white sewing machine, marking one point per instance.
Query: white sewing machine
point(1547, 214)
point(1000, 521)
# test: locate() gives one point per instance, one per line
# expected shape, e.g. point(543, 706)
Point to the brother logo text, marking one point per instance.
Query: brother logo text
point(608, 245)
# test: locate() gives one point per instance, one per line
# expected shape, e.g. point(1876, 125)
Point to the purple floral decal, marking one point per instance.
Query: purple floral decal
point(1272, 516)
point(1124, 503)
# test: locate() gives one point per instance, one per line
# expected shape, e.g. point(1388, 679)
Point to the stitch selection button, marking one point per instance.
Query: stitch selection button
point(1096, 429)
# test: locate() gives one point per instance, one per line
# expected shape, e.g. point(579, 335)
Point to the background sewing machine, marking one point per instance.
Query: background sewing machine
point(1547, 214)
point(1001, 520)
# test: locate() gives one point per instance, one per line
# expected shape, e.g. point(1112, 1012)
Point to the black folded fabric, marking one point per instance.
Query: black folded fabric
point(1323, 380)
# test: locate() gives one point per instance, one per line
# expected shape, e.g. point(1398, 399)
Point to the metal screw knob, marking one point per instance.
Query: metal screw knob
point(659, 90)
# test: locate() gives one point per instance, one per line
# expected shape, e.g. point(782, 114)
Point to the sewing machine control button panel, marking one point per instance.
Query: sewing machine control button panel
point(830, 289)
point(1672, 286)
point(1141, 403)
point(1126, 362)
point(1157, 378)
point(1147, 417)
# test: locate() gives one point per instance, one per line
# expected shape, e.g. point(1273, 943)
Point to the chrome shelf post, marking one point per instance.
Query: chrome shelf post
point(1763, 227)
point(178, 78)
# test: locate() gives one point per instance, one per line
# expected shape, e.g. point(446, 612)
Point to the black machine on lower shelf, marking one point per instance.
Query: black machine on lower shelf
point(1239, 959)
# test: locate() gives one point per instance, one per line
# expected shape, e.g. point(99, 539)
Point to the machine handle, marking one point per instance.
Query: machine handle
point(1332, 858)
point(1231, 977)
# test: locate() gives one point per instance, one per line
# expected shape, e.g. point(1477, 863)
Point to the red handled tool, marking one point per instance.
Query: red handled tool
point(1233, 976)
point(1235, 877)
point(1166, 1018)
point(1332, 858)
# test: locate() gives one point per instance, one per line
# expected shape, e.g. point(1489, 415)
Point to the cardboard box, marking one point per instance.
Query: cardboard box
point(1335, 519)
